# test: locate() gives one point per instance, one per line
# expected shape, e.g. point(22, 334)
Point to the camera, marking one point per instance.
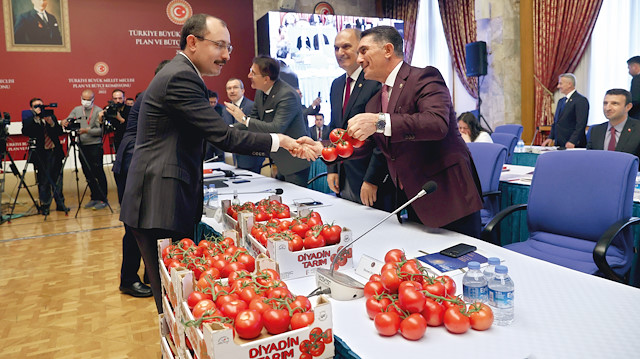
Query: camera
point(45, 110)
point(5, 121)
point(110, 115)
point(73, 124)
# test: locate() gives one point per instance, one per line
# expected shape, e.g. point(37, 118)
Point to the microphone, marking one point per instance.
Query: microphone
point(275, 191)
point(343, 287)
point(534, 135)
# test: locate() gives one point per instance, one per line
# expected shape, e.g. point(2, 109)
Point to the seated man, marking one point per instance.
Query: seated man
point(621, 132)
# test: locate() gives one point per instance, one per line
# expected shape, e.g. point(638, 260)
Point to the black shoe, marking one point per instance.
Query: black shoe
point(63, 208)
point(137, 289)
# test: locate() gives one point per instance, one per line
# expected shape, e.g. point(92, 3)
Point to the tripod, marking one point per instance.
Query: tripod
point(73, 142)
point(480, 117)
point(14, 169)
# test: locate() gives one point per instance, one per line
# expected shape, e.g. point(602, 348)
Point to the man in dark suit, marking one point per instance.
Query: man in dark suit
point(277, 110)
point(163, 195)
point(570, 120)
point(238, 107)
point(45, 130)
point(211, 151)
point(412, 121)
point(319, 131)
point(621, 133)
point(37, 26)
point(358, 180)
point(634, 70)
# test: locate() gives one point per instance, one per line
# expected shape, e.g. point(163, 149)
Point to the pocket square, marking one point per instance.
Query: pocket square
point(268, 111)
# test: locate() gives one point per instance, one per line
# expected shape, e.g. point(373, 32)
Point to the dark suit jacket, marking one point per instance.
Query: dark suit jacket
point(252, 163)
point(635, 97)
point(280, 113)
point(31, 29)
point(569, 125)
point(352, 172)
point(425, 145)
point(128, 142)
point(164, 184)
point(313, 132)
point(628, 142)
point(36, 130)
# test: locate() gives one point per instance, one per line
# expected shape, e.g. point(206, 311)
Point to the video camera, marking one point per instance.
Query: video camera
point(45, 109)
point(72, 124)
point(5, 121)
point(110, 115)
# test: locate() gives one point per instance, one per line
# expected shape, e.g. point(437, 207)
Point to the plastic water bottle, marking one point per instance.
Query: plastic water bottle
point(214, 202)
point(501, 296)
point(519, 146)
point(205, 201)
point(235, 200)
point(474, 284)
point(490, 271)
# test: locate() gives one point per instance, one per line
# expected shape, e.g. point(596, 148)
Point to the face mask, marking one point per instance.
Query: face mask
point(86, 103)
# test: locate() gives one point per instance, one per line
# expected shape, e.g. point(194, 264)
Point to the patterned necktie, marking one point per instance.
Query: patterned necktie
point(612, 140)
point(347, 94)
point(385, 98)
point(43, 16)
point(319, 133)
point(48, 143)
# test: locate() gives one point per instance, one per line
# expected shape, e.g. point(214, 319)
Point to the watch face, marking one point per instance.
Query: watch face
point(381, 124)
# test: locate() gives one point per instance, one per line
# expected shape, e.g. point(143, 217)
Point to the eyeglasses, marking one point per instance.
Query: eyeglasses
point(254, 73)
point(220, 44)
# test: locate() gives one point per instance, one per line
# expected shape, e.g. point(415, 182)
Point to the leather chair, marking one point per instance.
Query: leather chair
point(489, 159)
point(507, 140)
point(515, 130)
point(579, 212)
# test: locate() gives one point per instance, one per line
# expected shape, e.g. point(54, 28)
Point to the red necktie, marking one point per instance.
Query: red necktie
point(347, 94)
point(319, 133)
point(612, 140)
point(385, 98)
point(48, 143)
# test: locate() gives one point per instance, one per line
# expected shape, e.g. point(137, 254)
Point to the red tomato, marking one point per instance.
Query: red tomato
point(185, 243)
point(195, 297)
point(300, 304)
point(276, 321)
point(481, 316)
point(410, 299)
point(232, 308)
point(375, 306)
point(435, 288)
point(201, 307)
point(344, 149)
point(336, 134)
point(232, 267)
point(449, 284)
point(433, 312)
point(329, 154)
point(301, 320)
point(313, 241)
point(413, 326)
point(373, 288)
point(331, 234)
point(390, 280)
point(259, 304)
point(411, 271)
point(248, 261)
point(387, 323)
point(456, 322)
point(393, 256)
point(355, 142)
point(248, 324)
point(300, 229)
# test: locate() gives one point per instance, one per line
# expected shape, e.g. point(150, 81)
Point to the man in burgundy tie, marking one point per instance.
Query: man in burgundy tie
point(42, 126)
point(621, 133)
point(319, 131)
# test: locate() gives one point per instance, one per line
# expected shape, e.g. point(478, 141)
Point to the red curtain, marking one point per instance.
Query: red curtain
point(561, 32)
point(407, 11)
point(459, 22)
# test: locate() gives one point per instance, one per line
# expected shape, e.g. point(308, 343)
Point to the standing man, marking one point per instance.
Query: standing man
point(115, 118)
point(37, 26)
point(634, 70)
point(412, 121)
point(319, 131)
point(163, 195)
point(238, 107)
point(277, 110)
point(570, 120)
point(45, 130)
point(358, 180)
point(313, 109)
point(210, 150)
point(621, 133)
point(90, 143)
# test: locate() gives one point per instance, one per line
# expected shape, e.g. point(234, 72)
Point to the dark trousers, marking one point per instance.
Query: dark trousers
point(93, 171)
point(130, 250)
point(299, 178)
point(48, 165)
point(148, 242)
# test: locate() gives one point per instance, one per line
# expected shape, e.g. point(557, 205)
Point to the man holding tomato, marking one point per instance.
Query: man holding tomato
point(359, 180)
point(413, 123)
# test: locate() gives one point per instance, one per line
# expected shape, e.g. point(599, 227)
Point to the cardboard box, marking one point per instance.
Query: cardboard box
point(215, 341)
point(167, 347)
point(175, 327)
point(231, 223)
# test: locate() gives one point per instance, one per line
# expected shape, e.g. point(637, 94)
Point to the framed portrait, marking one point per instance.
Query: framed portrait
point(36, 25)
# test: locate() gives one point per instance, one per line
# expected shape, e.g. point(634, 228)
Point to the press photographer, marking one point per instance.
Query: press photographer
point(90, 144)
point(42, 127)
point(114, 117)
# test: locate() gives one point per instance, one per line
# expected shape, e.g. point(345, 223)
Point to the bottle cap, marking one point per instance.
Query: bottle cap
point(502, 269)
point(473, 265)
point(212, 185)
point(494, 261)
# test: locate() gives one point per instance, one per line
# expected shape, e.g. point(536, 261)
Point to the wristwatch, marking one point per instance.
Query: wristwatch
point(382, 123)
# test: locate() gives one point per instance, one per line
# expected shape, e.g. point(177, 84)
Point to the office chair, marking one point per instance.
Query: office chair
point(515, 130)
point(579, 212)
point(489, 159)
point(507, 140)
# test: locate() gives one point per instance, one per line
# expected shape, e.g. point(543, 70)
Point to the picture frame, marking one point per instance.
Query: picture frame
point(26, 31)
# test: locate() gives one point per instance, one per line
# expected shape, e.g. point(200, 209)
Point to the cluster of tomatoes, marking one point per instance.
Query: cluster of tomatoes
point(314, 347)
point(341, 145)
point(404, 298)
point(263, 210)
point(248, 303)
point(216, 258)
point(301, 233)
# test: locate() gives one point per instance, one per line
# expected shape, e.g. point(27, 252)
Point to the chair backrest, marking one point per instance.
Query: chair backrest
point(489, 159)
point(507, 140)
point(515, 130)
point(580, 194)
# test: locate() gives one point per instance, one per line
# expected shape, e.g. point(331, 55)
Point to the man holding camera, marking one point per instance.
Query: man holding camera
point(87, 119)
point(42, 126)
point(114, 117)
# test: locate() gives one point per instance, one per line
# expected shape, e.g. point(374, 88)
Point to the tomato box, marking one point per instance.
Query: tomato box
point(217, 341)
point(229, 222)
point(167, 347)
point(175, 326)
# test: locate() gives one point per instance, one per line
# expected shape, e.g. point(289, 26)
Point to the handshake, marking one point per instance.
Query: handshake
point(304, 147)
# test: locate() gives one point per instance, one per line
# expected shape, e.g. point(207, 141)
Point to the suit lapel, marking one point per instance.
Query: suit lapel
point(627, 133)
point(398, 86)
point(339, 98)
point(354, 94)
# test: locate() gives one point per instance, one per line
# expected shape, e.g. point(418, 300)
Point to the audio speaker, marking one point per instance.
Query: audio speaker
point(476, 58)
